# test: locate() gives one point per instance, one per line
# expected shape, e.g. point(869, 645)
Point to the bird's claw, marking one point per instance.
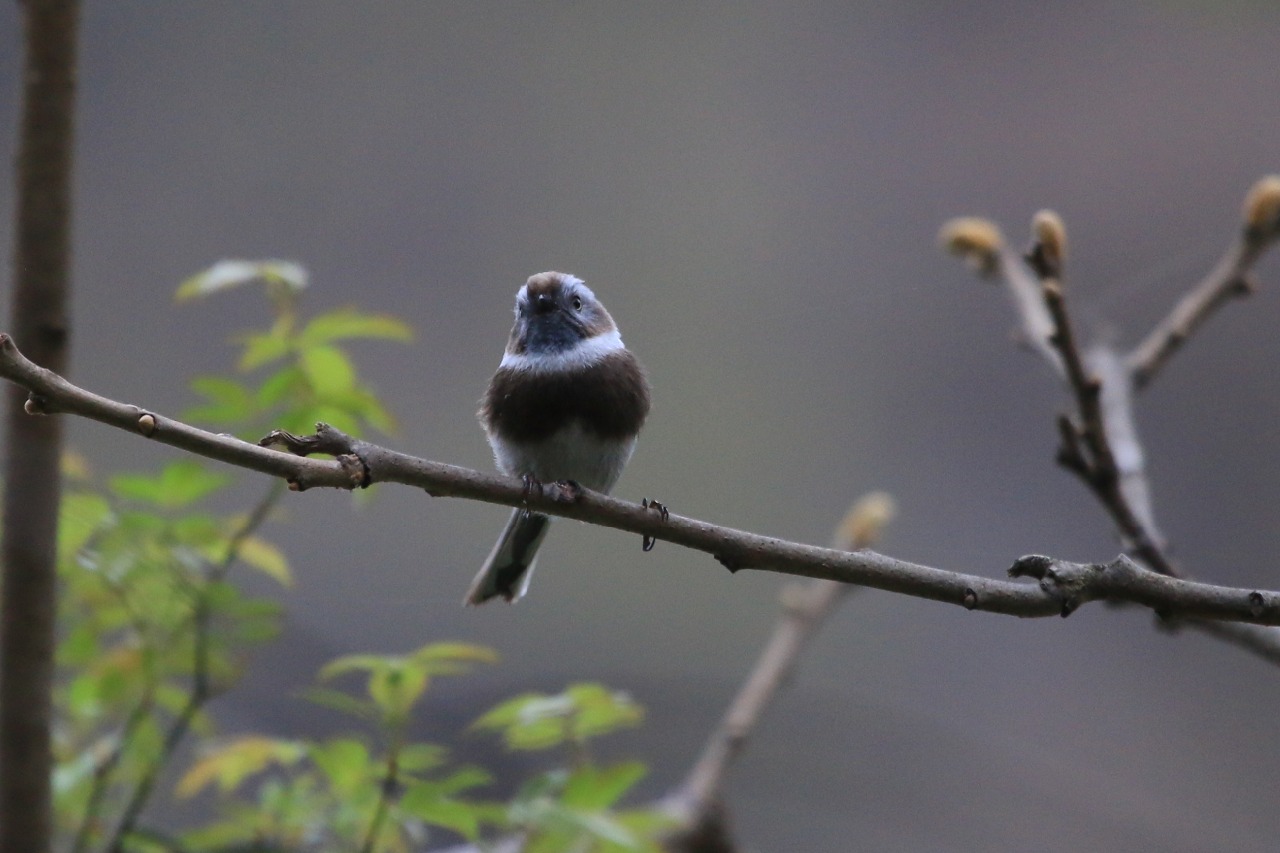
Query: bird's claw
point(648, 541)
point(567, 491)
point(530, 482)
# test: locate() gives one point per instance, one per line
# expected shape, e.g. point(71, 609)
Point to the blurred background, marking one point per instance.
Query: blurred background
point(755, 191)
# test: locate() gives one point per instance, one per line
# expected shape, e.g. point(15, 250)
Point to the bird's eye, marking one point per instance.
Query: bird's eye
point(577, 303)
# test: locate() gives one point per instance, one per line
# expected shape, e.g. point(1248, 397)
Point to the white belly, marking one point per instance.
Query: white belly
point(570, 454)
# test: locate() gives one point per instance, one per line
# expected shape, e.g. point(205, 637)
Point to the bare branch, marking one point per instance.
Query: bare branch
point(1101, 446)
point(735, 549)
point(1229, 278)
point(1101, 409)
point(981, 244)
point(804, 609)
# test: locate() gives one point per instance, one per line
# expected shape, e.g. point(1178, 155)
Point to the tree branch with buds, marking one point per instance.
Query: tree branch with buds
point(805, 607)
point(1099, 442)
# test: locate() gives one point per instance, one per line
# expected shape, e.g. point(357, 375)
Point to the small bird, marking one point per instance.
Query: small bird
point(566, 403)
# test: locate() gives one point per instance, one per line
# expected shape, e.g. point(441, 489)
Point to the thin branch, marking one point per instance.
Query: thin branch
point(1106, 452)
point(1100, 409)
point(389, 781)
point(805, 607)
point(361, 463)
point(1229, 278)
point(1115, 399)
point(1028, 300)
point(141, 711)
point(32, 491)
point(201, 686)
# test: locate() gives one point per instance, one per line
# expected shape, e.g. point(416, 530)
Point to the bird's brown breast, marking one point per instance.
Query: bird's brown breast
point(609, 398)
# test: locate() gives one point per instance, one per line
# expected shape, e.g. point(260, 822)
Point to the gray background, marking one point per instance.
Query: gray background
point(754, 191)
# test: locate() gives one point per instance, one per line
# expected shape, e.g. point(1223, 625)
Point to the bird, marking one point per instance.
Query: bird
point(566, 404)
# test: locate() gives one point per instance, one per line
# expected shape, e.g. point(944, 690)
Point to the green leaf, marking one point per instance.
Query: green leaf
point(339, 701)
point(538, 721)
point(423, 803)
point(457, 782)
point(529, 721)
point(600, 826)
point(225, 275)
point(80, 646)
point(266, 558)
point(353, 663)
point(262, 348)
point(350, 323)
point(328, 370)
point(177, 485)
point(83, 697)
point(601, 710)
point(344, 761)
point(598, 788)
point(82, 515)
point(233, 762)
point(362, 405)
point(451, 658)
point(288, 381)
point(650, 825)
point(396, 687)
point(228, 401)
point(374, 413)
point(236, 832)
point(417, 757)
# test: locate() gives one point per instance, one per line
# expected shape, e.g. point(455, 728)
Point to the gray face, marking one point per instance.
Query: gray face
point(551, 321)
point(554, 313)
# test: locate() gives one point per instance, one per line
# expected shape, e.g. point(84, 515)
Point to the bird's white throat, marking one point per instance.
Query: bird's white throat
point(585, 353)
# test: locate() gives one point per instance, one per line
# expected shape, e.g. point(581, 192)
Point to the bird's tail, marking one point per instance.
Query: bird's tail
point(507, 571)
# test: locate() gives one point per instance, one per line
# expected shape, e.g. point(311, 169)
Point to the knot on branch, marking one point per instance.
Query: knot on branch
point(330, 441)
point(36, 404)
point(1069, 584)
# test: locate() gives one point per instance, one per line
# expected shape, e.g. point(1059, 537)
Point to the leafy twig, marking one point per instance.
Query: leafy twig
point(201, 687)
point(389, 781)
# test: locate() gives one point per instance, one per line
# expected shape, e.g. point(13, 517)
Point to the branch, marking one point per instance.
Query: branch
point(805, 607)
point(1086, 448)
point(201, 687)
point(1102, 445)
point(1229, 278)
point(361, 463)
point(32, 493)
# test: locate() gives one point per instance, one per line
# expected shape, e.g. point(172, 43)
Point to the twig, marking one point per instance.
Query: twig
point(1230, 277)
point(32, 492)
point(201, 688)
point(389, 781)
point(805, 607)
point(1028, 298)
point(1102, 445)
point(102, 775)
point(361, 463)
point(1086, 446)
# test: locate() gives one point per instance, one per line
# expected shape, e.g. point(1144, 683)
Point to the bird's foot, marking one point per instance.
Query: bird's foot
point(567, 491)
point(648, 541)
